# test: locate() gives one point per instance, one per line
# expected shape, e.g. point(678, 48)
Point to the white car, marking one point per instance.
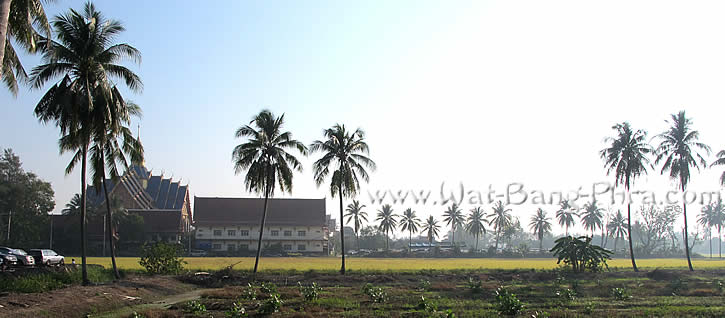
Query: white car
point(47, 257)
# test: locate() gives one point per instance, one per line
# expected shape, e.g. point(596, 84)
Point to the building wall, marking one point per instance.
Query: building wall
point(226, 238)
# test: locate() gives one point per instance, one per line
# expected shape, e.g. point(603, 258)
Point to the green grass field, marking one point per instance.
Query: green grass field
point(398, 264)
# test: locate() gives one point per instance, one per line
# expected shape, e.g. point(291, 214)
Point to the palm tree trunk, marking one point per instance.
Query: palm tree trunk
point(261, 231)
point(342, 232)
point(109, 223)
point(719, 240)
point(602, 243)
point(476, 242)
point(84, 269)
point(4, 16)
point(615, 245)
point(541, 245)
point(687, 245)
point(496, 249)
point(710, 230)
point(410, 239)
point(629, 236)
point(453, 235)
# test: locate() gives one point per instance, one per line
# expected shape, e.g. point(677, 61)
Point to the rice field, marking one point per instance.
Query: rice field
point(397, 264)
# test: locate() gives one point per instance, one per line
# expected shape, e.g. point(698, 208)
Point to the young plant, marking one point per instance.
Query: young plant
point(474, 285)
point(310, 293)
point(249, 293)
point(376, 294)
point(237, 311)
point(195, 307)
point(268, 288)
point(272, 305)
point(424, 285)
point(719, 286)
point(621, 293)
point(566, 295)
point(506, 303)
point(427, 305)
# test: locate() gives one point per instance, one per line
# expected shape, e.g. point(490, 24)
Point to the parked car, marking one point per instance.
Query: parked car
point(22, 256)
point(47, 257)
point(2, 264)
point(197, 253)
point(8, 259)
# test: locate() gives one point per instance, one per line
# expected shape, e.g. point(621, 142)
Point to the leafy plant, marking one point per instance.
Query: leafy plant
point(474, 285)
point(449, 314)
point(195, 307)
point(310, 293)
point(620, 293)
point(237, 311)
point(589, 308)
point(376, 294)
point(137, 315)
point(272, 305)
point(249, 292)
point(424, 285)
point(566, 295)
point(506, 302)
point(426, 305)
point(161, 258)
point(676, 286)
point(719, 286)
point(580, 253)
point(540, 314)
point(268, 288)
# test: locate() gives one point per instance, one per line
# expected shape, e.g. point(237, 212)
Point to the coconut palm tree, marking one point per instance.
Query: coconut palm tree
point(475, 226)
point(409, 222)
point(265, 158)
point(18, 19)
point(346, 154)
point(356, 214)
point(388, 222)
point(540, 224)
point(591, 216)
point(720, 161)
point(565, 215)
point(678, 151)
point(617, 227)
point(627, 155)
point(719, 223)
point(453, 217)
point(708, 220)
point(85, 58)
point(431, 229)
point(500, 219)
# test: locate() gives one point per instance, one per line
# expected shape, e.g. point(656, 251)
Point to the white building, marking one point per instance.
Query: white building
point(232, 224)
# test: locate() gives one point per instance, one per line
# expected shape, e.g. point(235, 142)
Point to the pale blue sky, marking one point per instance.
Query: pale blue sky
point(480, 92)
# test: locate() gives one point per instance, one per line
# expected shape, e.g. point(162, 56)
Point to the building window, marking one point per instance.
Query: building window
point(287, 233)
point(243, 247)
point(244, 233)
point(231, 232)
point(287, 247)
point(230, 247)
point(217, 232)
point(275, 233)
point(301, 233)
point(217, 246)
point(301, 247)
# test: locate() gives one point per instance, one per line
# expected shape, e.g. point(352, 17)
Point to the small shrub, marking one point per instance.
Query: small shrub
point(376, 294)
point(249, 293)
point(540, 314)
point(426, 305)
point(620, 293)
point(137, 315)
point(580, 253)
point(161, 258)
point(195, 307)
point(506, 303)
point(719, 286)
point(676, 286)
point(474, 285)
point(310, 293)
point(237, 311)
point(424, 285)
point(589, 308)
point(449, 314)
point(268, 288)
point(566, 295)
point(272, 305)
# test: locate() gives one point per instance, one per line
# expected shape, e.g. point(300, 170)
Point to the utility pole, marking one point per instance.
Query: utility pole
point(10, 218)
point(104, 235)
point(51, 232)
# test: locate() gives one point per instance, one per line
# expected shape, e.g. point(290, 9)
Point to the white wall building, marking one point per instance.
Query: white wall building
point(232, 224)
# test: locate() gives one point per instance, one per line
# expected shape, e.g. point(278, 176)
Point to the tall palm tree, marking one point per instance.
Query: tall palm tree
point(431, 229)
point(565, 215)
point(500, 219)
point(540, 224)
point(18, 19)
point(346, 153)
point(388, 222)
point(627, 155)
point(356, 214)
point(475, 226)
point(678, 151)
point(453, 217)
point(719, 223)
point(409, 222)
point(267, 162)
point(86, 60)
point(720, 161)
point(708, 219)
point(591, 216)
point(617, 227)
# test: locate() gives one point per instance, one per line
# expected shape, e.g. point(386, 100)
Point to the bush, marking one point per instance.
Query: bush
point(580, 253)
point(376, 294)
point(310, 293)
point(566, 295)
point(268, 288)
point(161, 258)
point(195, 307)
point(620, 293)
point(249, 293)
point(424, 285)
point(237, 311)
point(474, 285)
point(271, 305)
point(426, 305)
point(507, 303)
point(676, 286)
point(719, 286)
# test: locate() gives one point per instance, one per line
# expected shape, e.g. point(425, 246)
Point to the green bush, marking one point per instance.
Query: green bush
point(249, 293)
point(426, 305)
point(474, 285)
point(195, 307)
point(310, 293)
point(620, 293)
point(376, 294)
point(424, 285)
point(268, 288)
point(46, 280)
point(506, 302)
point(237, 311)
point(162, 258)
point(580, 253)
point(271, 305)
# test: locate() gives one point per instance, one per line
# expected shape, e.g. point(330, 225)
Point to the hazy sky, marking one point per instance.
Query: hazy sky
point(479, 93)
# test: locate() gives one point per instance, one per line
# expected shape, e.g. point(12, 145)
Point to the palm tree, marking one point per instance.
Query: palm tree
point(388, 222)
point(85, 58)
point(678, 152)
point(540, 224)
point(346, 154)
point(592, 216)
point(453, 217)
point(708, 219)
point(431, 228)
point(565, 215)
point(266, 161)
point(720, 161)
point(500, 219)
point(356, 214)
point(17, 21)
point(617, 227)
point(475, 223)
point(627, 155)
point(409, 222)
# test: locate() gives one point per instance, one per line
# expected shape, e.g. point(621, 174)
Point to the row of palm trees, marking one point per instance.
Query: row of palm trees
point(78, 52)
